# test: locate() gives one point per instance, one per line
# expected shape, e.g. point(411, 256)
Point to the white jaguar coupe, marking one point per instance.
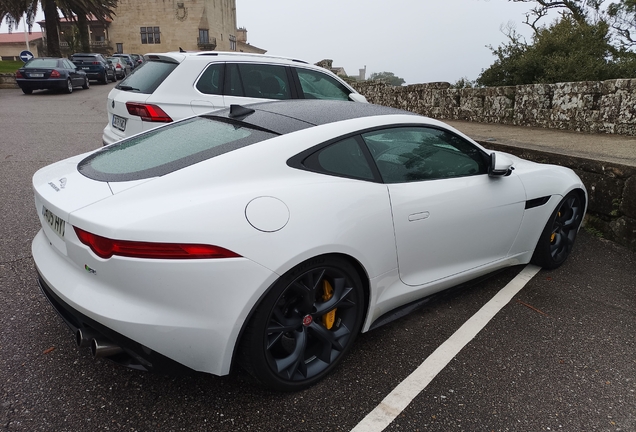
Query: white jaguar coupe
point(270, 235)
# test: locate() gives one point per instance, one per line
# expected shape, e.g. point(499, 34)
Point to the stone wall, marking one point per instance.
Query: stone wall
point(589, 106)
point(7, 81)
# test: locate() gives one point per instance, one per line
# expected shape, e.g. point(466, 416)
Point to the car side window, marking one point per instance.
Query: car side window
point(257, 81)
point(317, 85)
point(343, 158)
point(408, 154)
point(211, 80)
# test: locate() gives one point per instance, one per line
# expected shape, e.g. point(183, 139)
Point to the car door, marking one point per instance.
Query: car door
point(449, 216)
point(209, 89)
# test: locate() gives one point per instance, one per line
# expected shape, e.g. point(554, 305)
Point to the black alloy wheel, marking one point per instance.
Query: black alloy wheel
point(69, 86)
point(305, 325)
point(86, 84)
point(557, 239)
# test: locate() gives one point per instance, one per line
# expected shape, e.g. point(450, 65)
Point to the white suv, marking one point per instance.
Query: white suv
point(175, 85)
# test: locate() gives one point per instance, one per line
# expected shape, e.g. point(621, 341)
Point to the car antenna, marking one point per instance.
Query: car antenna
point(240, 111)
point(181, 49)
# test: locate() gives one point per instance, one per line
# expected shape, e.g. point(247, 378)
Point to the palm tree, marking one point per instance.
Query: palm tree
point(12, 11)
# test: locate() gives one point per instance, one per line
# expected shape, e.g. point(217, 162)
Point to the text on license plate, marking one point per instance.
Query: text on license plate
point(119, 122)
point(56, 223)
point(36, 75)
point(86, 68)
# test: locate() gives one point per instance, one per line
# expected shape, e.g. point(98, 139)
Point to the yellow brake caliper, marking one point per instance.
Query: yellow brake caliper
point(553, 236)
point(328, 318)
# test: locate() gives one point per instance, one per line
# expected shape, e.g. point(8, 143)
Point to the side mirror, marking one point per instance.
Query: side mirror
point(500, 165)
point(356, 97)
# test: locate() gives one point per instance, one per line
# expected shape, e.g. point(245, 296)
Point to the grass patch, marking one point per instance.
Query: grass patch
point(10, 66)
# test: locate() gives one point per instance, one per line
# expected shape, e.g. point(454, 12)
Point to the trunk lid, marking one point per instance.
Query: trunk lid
point(60, 190)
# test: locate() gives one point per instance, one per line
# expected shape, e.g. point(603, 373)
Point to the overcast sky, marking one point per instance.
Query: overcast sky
point(418, 40)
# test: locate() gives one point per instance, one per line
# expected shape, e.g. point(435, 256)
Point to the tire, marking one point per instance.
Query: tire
point(557, 238)
point(305, 325)
point(104, 79)
point(69, 86)
point(86, 84)
point(27, 91)
point(114, 78)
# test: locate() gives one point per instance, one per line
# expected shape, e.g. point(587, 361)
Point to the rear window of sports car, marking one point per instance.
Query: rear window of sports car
point(167, 149)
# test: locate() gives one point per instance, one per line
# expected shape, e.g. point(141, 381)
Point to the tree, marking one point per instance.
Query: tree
point(582, 44)
point(387, 77)
point(619, 15)
point(12, 12)
point(566, 51)
point(623, 20)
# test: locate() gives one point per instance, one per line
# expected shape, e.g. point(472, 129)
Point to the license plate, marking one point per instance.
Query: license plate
point(119, 122)
point(86, 68)
point(37, 75)
point(56, 223)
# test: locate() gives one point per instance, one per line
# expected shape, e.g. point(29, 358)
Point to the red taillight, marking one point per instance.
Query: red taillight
point(105, 248)
point(96, 62)
point(18, 74)
point(148, 112)
point(55, 74)
point(118, 66)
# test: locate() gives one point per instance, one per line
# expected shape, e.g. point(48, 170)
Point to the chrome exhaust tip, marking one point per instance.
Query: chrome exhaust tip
point(102, 348)
point(83, 338)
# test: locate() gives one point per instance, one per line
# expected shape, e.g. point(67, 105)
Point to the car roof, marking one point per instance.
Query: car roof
point(295, 114)
point(181, 55)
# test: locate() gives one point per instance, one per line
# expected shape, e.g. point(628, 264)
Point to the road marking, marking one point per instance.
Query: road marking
point(414, 384)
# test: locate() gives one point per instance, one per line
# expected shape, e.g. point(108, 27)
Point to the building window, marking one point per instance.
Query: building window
point(150, 35)
point(232, 43)
point(120, 48)
point(204, 36)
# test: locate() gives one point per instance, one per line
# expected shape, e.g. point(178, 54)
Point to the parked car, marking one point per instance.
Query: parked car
point(138, 58)
point(128, 58)
point(272, 234)
point(122, 69)
point(172, 86)
point(50, 73)
point(96, 66)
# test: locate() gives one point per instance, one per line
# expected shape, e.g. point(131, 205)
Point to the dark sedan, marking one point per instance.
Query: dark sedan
point(50, 73)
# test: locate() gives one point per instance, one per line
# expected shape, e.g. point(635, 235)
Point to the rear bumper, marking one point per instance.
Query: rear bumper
point(109, 137)
point(37, 84)
point(189, 312)
point(95, 75)
point(137, 356)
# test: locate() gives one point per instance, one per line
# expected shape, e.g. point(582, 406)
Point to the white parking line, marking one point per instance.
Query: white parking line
point(405, 392)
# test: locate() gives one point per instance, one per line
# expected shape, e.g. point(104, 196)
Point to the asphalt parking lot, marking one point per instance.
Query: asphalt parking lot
point(560, 356)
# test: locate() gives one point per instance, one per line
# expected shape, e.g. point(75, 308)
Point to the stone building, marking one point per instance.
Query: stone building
point(142, 26)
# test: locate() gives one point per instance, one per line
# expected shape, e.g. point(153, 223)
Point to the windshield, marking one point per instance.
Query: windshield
point(167, 149)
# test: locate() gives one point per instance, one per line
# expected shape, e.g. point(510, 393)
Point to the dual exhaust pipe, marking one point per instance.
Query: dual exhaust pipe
point(100, 347)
